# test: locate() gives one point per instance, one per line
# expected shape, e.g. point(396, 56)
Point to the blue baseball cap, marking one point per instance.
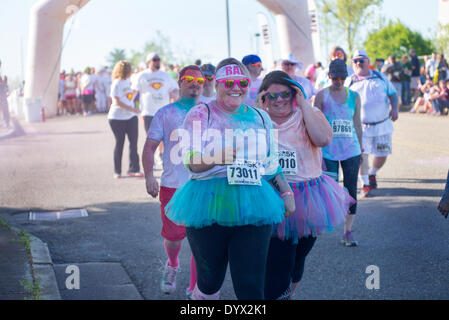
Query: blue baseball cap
point(250, 59)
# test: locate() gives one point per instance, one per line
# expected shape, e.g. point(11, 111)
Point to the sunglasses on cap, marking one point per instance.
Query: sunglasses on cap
point(257, 64)
point(275, 95)
point(337, 78)
point(189, 79)
point(210, 78)
point(359, 60)
point(230, 83)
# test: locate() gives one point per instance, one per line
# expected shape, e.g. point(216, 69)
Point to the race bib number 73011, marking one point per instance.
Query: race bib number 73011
point(244, 172)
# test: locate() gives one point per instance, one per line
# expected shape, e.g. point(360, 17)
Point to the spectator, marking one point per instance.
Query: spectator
point(4, 92)
point(379, 63)
point(416, 68)
point(431, 66)
point(440, 100)
point(70, 94)
point(441, 66)
point(395, 74)
point(423, 104)
point(406, 92)
point(87, 89)
point(61, 95)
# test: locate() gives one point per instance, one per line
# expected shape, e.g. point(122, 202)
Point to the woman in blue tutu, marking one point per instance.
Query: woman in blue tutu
point(321, 204)
point(229, 205)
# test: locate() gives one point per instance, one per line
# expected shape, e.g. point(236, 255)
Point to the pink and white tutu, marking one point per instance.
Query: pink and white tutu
point(321, 206)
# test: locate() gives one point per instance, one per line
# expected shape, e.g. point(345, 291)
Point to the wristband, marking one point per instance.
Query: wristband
point(287, 193)
point(187, 158)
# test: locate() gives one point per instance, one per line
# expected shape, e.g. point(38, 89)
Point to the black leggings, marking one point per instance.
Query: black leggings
point(285, 264)
point(245, 248)
point(147, 122)
point(120, 128)
point(350, 169)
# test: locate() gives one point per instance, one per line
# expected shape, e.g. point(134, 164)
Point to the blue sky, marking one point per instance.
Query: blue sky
point(103, 25)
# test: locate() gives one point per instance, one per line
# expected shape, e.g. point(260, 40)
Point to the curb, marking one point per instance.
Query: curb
point(42, 267)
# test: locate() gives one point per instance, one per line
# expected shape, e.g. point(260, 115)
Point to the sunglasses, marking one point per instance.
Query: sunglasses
point(274, 96)
point(230, 83)
point(358, 60)
point(189, 79)
point(257, 64)
point(337, 78)
point(210, 78)
point(289, 64)
point(339, 55)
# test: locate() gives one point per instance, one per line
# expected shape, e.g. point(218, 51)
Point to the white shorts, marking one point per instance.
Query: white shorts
point(380, 146)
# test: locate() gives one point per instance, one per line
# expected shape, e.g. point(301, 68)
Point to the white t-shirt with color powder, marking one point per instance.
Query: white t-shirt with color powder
point(122, 90)
point(164, 124)
point(154, 88)
point(374, 93)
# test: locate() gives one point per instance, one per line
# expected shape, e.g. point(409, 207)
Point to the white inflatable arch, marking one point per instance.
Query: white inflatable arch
point(47, 21)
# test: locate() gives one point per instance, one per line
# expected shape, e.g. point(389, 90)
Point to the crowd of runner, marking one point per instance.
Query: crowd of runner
point(250, 159)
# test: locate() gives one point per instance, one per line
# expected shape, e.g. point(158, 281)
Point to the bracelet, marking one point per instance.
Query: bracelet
point(287, 193)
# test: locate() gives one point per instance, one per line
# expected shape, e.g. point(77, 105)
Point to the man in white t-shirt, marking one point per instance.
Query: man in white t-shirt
point(376, 94)
point(254, 65)
point(290, 65)
point(157, 89)
point(101, 93)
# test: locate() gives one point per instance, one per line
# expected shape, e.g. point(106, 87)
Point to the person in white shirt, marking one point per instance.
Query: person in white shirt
point(290, 65)
point(122, 118)
point(87, 89)
point(254, 65)
point(208, 93)
point(376, 94)
point(100, 92)
point(157, 89)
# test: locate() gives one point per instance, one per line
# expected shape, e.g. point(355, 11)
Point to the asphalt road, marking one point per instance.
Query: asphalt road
point(66, 163)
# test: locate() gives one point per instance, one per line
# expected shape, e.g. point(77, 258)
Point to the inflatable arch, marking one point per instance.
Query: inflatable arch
point(47, 21)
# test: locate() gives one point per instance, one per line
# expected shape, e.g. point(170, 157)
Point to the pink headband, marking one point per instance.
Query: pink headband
point(231, 70)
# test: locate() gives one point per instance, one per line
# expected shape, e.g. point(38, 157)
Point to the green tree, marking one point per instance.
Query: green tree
point(346, 17)
point(397, 39)
point(442, 40)
point(160, 45)
point(115, 56)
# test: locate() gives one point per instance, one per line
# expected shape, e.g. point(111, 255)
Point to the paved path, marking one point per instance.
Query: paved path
point(66, 163)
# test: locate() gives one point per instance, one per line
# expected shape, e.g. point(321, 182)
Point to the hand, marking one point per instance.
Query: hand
point(264, 104)
point(443, 207)
point(152, 186)
point(300, 100)
point(394, 115)
point(290, 207)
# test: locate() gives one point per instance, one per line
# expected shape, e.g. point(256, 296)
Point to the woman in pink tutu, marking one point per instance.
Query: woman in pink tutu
point(321, 204)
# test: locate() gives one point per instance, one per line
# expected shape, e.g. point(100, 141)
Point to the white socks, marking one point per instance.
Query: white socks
point(373, 171)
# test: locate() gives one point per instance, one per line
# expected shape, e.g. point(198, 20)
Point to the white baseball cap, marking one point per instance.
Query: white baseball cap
point(291, 58)
point(152, 55)
point(359, 54)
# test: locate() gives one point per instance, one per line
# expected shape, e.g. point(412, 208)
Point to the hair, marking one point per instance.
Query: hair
point(229, 61)
point(122, 70)
point(334, 50)
point(191, 67)
point(275, 77)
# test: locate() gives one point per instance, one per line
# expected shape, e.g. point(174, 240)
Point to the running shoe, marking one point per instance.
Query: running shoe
point(117, 176)
point(168, 282)
point(372, 181)
point(348, 240)
point(366, 191)
point(189, 294)
point(136, 174)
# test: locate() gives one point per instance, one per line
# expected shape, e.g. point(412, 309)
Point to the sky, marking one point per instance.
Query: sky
point(103, 25)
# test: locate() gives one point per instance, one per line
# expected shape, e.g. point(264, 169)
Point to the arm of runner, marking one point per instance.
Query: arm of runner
point(443, 206)
point(280, 184)
point(318, 128)
point(357, 120)
point(394, 112)
point(147, 163)
point(124, 106)
point(198, 162)
point(318, 102)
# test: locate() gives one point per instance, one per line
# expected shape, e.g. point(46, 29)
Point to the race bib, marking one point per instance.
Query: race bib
point(342, 128)
point(288, 162)
point(244, 172)
point(383, 147)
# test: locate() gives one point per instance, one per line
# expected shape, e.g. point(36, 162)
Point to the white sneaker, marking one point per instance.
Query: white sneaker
point(168, 282)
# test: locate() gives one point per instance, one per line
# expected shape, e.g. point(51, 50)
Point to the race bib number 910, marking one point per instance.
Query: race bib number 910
point(342, 128)
point(244, 172)
point(288, 162)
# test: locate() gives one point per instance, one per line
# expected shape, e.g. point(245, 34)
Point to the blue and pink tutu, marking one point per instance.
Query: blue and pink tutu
point(201, 203)
point(321, 206)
